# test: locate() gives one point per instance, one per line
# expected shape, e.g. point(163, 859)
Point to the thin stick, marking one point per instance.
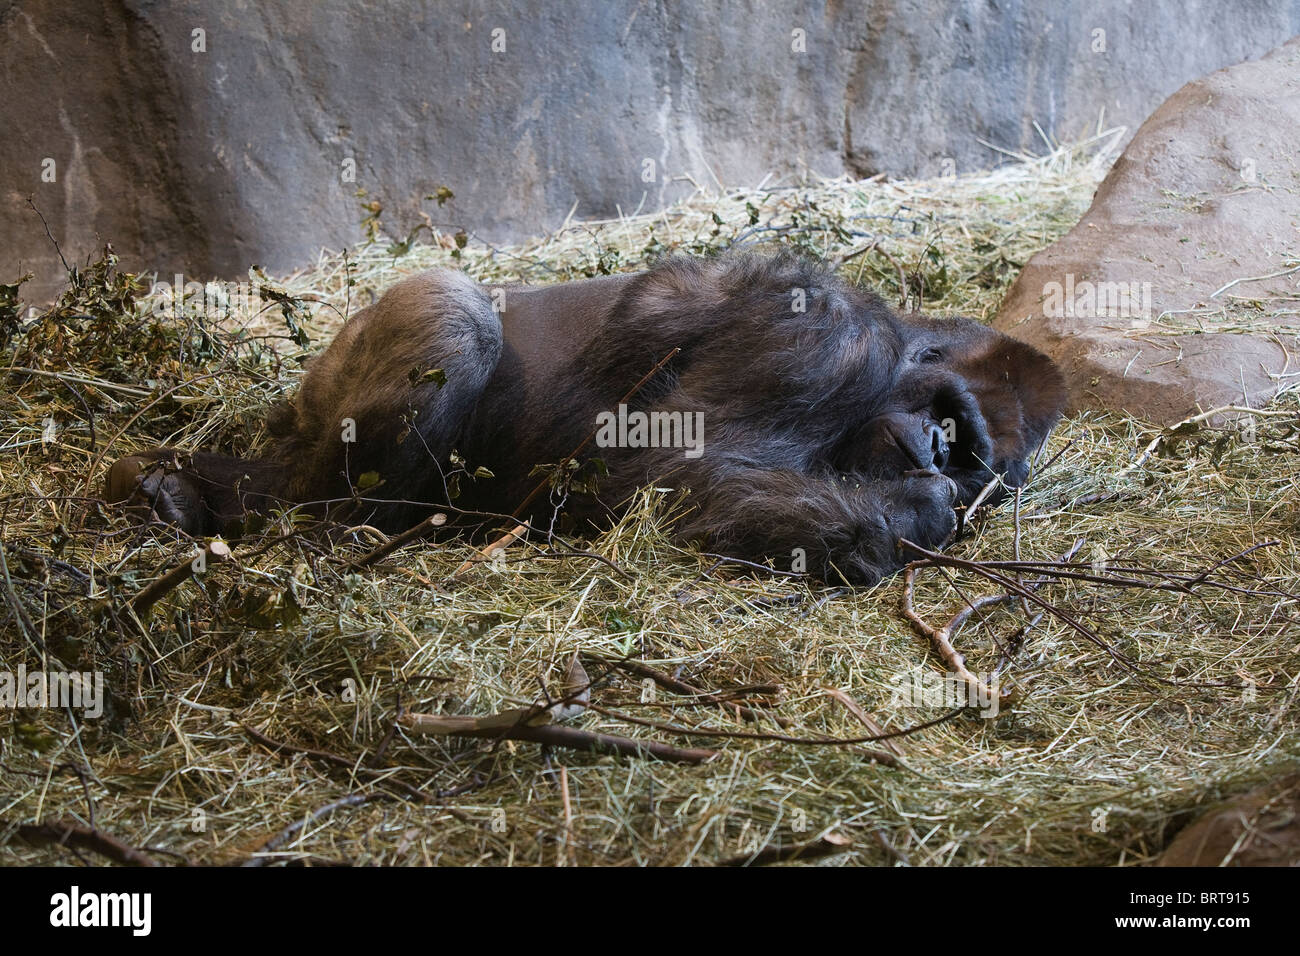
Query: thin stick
point(217, 552)
point(568, 813)
point(865, 719)
point(828, 844)
point(337, 760)
point(67, 268)
point(782, 738)
point(937, 559)
point(941, 637)
point(1182, 582)
point(1196, 420)
point(407, 536)
point(557, 735)
point(902, 280)
point(25, 623)
point(284, 836)
point(69, 833)
point(1015, 516)
point(487, 553)
point(676, 686)
point(1271, 275)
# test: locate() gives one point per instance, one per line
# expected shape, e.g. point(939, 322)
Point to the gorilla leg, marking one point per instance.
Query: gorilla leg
point(371, 427)
point(380, 410)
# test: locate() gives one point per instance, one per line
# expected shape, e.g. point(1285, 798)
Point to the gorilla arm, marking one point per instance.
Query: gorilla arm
point(843, 526)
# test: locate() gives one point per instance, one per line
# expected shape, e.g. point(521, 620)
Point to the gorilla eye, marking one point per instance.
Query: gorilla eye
point(929, 355)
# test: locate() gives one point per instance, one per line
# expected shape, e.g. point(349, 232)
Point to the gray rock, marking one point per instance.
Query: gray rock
point(1177, 251)
point(208, 161)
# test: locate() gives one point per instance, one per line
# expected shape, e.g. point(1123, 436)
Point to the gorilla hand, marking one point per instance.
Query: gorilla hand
point(834, 527)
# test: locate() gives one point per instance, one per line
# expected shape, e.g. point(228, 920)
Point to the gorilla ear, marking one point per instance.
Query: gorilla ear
point(1020, 390)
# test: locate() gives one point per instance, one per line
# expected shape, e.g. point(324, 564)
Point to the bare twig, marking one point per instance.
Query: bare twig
point(941, 637)
point(1272, 275)
point(782, 738)
point(489, 552)
point(676, 686)
point(25, 623)
point(865, 719)
point(992, 571)
point(66, 268)
point(557, 735)
point(1172, 430)
point(568, 813)
point(828, 844)
point(1010, 584)
point(217, 552)
point(69, 833)
point(902, 279)
point(407, 536)
point(284, 836)
point(352, 766)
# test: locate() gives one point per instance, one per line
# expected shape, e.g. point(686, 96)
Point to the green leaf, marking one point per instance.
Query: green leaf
point(435, 375)
point(403, 246)
point(442, 194)
point(293, 309)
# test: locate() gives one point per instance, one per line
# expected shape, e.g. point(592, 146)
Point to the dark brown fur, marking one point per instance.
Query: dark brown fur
point(821, 435)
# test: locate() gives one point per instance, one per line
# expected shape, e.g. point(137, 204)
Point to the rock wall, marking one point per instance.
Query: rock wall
point(205, 135)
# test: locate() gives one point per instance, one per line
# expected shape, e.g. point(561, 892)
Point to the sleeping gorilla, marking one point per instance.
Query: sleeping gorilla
point(831, 424)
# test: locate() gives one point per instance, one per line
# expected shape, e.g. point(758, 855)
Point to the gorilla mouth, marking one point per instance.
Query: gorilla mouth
point(947, 436)
point(970, 447)
point(914, 449)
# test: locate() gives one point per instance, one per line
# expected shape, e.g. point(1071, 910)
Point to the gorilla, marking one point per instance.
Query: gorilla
point(805, 418)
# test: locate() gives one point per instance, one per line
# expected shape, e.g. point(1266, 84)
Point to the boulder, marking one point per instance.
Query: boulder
point(1259, 828)
point(1179, 290)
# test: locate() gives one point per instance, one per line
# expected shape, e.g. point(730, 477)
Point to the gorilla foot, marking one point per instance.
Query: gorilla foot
point(156, 483)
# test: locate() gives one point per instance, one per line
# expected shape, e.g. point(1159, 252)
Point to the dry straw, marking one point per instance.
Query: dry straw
point(253, 708)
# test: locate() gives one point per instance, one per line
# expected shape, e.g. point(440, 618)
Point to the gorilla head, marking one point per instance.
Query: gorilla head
point(967, 402)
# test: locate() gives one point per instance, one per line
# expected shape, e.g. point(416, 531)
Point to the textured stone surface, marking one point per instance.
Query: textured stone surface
point(1258, 828)
point(1207, 193)
point(209, 161)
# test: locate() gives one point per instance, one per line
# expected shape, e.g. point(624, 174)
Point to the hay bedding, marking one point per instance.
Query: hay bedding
point(252, 708)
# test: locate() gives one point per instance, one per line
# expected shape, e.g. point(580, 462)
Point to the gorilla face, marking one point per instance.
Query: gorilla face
point(968, 402)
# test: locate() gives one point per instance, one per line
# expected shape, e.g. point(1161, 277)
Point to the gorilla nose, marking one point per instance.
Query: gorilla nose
point(938, 445)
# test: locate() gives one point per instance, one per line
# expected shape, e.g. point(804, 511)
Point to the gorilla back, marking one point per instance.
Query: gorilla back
point(804, 416)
